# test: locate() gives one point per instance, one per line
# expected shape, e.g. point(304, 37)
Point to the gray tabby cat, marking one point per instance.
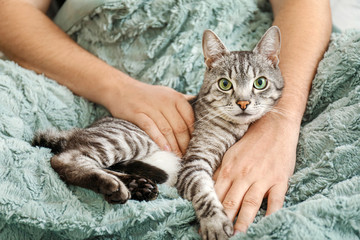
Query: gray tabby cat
point(117, 159)
point(238, 88)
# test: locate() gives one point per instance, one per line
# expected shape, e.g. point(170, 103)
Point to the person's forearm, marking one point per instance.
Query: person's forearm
point(42, 5)
point(305, 29)
point(35, 42)
point(31, 39)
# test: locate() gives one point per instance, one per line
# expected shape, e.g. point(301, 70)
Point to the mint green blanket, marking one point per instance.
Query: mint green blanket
point(159, 42)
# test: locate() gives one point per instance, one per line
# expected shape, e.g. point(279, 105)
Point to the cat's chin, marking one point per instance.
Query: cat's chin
point(247, 117)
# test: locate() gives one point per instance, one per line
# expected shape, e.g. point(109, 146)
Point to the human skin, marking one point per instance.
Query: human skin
point(32, 40)
point(261, 163)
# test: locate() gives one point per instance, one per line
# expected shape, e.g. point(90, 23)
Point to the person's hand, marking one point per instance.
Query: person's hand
point(163, 113)
point(257, 167)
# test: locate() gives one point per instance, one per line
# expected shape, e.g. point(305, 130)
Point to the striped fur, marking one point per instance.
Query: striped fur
point(220, 122)
point(113, 157)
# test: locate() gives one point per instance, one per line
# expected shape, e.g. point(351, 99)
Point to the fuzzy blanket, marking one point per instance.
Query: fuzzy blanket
point(159, 42)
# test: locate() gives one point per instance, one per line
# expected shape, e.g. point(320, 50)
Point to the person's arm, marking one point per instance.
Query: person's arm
point(42, 5)
point(32, 40)
point(261, 163)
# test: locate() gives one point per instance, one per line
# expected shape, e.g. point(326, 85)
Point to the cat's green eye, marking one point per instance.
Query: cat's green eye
point(225, 84)
point(260, 83)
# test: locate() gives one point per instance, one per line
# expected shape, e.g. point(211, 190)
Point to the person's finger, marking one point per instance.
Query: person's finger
point(249, 207)
point(216, 174)
point(187, 113)
point(189, 97)
point(166, 130)
point(276, 198)
point(148, 125)
point(233, 198)
point(222, 185)
point(179, 128)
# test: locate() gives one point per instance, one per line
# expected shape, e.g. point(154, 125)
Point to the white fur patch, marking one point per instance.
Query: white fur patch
point(168, 162)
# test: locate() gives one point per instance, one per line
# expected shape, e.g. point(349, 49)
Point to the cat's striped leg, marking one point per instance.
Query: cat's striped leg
point(195, 184)
point(204, 154)
point(78, 169)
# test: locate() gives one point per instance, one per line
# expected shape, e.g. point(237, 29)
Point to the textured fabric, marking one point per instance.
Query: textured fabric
point(160, 42)
point(345, 14)
point(72, 11)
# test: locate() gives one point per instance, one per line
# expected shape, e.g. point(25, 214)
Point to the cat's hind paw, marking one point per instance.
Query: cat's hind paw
point(142, 189)
point(114, 190)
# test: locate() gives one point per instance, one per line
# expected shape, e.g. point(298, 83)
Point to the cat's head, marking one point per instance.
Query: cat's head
point(242, 86)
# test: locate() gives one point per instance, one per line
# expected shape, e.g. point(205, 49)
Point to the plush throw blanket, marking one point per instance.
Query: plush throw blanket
point(159, 42)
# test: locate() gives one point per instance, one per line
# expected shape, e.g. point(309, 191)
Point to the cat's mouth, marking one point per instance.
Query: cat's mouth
point(243, 114)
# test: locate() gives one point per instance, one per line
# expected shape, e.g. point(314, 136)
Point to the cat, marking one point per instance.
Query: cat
point(119, 160)
point(238, 88)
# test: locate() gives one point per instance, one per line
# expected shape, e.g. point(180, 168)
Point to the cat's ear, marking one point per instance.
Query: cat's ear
point(213, 48)
point(269, 45)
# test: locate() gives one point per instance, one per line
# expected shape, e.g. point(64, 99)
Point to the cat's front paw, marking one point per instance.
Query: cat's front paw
point(217, 226)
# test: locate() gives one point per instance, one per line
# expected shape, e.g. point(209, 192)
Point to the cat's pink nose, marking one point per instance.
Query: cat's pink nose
point(243, 104)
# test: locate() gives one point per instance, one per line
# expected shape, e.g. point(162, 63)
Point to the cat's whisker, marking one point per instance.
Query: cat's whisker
point(225, 106)
point(283, 113)
point(278, 112)
point(217, 107)
point(197, 100)
point(206, 117)
point(293, 92)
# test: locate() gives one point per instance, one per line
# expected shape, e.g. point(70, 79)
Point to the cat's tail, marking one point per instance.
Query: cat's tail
point(53, 139)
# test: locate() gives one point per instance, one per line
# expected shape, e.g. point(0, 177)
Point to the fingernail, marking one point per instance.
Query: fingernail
point(167, 148)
